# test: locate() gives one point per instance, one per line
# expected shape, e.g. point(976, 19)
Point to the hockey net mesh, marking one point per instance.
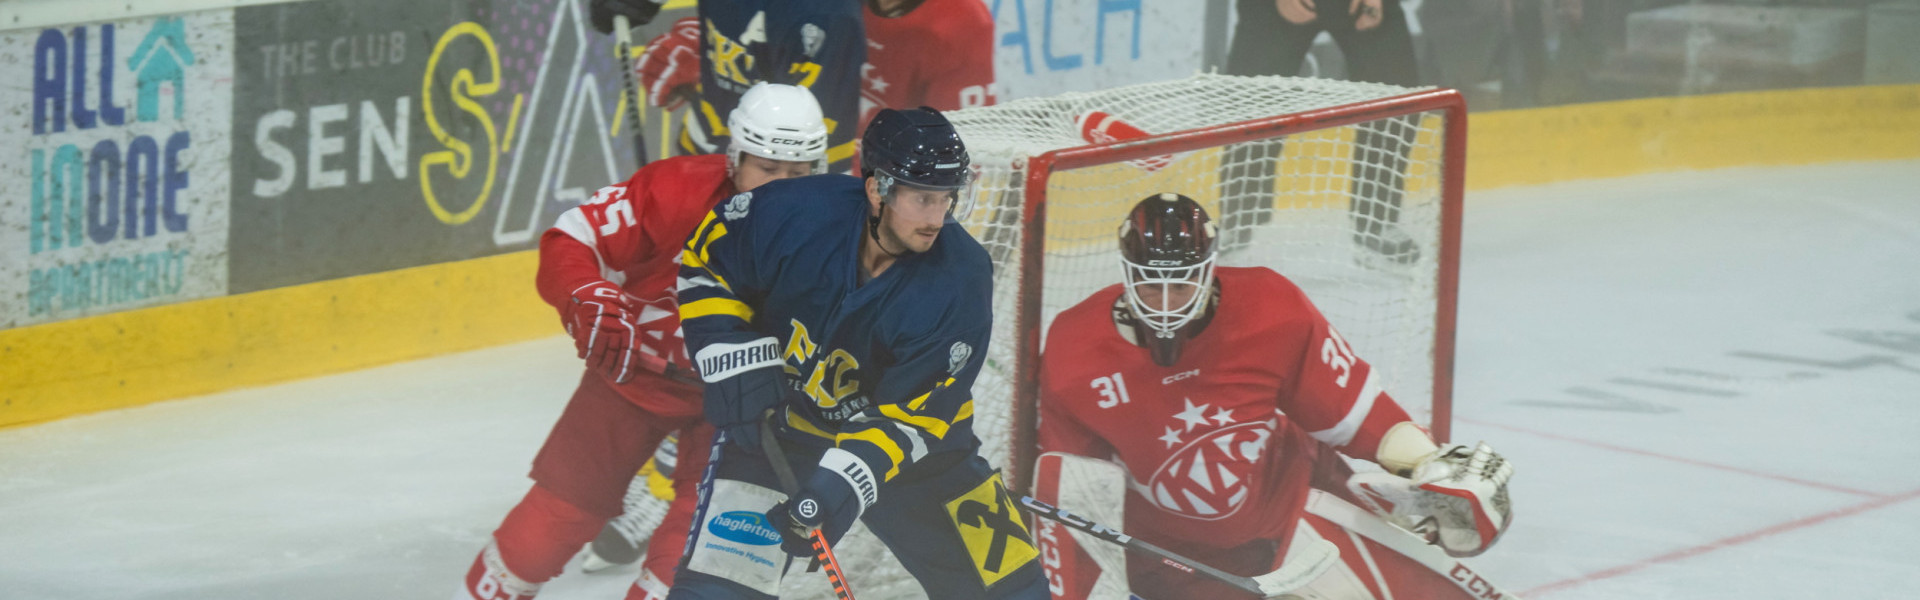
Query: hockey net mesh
point(1352, 214)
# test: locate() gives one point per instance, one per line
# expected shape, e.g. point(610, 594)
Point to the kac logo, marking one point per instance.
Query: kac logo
point(745, 527)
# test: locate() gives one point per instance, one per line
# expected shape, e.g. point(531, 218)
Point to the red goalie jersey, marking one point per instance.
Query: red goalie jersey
point(630, 234)
point(1217, 447)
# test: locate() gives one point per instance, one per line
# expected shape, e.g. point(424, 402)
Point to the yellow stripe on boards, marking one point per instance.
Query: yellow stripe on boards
point(1630, 137)
point(136, 357)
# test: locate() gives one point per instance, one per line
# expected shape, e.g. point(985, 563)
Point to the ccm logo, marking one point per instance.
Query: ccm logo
point(787, 142)
point(1163, 263)
point(1179, 376)
point(1473, 583)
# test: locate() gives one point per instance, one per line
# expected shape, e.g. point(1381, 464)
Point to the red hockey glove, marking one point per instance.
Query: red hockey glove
point(601, 323)
point(670, 68)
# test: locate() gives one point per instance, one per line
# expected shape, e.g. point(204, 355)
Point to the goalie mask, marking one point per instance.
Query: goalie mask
point(1167, 253)
point(778, 122)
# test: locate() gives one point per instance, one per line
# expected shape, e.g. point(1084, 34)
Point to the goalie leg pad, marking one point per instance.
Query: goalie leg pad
point(1341, 582)
point(1078, 564)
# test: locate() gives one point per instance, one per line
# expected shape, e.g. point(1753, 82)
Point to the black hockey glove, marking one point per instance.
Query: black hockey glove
point(744, 381)
point(638, 12)
point(830, 500)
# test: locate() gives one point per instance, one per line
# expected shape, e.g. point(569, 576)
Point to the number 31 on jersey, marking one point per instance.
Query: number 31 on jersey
point(1113, 390)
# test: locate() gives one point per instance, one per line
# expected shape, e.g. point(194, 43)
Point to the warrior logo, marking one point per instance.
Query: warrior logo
point(736, 208)
point(1208, 478)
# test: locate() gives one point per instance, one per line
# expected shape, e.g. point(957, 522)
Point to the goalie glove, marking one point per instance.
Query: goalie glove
point(600, 319)
point(670, 68)
point(1456, 498)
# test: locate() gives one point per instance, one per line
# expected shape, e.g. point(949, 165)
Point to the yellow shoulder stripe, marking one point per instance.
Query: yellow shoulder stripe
point(932, 425)
point(715, 306)
point(719, 230)
point(921, 401)
point(879, 440)
point(804, 426)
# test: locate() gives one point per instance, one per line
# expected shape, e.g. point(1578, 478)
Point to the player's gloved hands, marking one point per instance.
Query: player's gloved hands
point(601, 322)
point(638, 12)
point(670, 68)
point(830, 500)
point(744, 381)
point(1466, 496)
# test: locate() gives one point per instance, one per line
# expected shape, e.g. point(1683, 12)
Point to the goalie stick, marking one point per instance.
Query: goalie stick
point(623, 59)
point(823, 553)
point(1300, 568)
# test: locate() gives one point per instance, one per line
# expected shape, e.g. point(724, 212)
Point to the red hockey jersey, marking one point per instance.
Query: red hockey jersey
point(939, 55)
point(1211, 445)
point(631, 234)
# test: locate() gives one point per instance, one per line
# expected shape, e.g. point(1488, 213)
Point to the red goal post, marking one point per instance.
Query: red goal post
point(1302, 163)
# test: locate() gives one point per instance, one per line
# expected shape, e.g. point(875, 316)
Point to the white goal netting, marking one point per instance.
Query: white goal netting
point(1352, 213)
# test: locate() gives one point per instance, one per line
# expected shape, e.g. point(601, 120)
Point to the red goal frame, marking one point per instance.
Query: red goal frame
point(1026, 384)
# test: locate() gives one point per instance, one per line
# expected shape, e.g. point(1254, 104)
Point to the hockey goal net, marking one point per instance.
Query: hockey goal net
point(1351, 190)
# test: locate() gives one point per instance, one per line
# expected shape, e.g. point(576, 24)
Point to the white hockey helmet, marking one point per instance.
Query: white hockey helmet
point(779, 122)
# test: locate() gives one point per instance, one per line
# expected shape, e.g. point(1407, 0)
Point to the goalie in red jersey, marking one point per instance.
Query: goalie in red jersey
point(1222, 393)
point(609, 266)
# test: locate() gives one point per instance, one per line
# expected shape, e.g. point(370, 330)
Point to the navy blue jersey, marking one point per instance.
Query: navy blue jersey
point(815, 44)
point(884, 370)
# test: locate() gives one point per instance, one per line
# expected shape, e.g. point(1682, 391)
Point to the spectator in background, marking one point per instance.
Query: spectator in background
point(1272, 38)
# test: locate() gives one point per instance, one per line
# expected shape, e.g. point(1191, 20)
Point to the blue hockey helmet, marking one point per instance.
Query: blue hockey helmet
point(920, 148)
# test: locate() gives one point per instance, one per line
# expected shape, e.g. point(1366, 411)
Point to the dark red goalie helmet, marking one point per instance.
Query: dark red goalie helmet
point(1167, 253)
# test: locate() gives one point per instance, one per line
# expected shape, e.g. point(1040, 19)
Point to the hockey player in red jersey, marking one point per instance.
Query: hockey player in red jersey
point(934, 53)
point(1222, 393)
point(609, 267)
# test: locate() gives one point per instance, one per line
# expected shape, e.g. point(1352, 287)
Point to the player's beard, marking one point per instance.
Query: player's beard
point(915, 240)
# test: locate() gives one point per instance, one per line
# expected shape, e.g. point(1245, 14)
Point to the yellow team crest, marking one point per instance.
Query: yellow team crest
point(990, 524)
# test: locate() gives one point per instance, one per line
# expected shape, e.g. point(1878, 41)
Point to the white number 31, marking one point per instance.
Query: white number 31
point(1338, 355)
point(1113, 390)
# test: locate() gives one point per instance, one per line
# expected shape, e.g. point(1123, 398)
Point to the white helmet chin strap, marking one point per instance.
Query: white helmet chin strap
point(1194, 280)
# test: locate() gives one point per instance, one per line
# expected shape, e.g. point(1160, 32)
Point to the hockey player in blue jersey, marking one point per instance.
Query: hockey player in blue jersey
point(816, 44)
point(856, 312)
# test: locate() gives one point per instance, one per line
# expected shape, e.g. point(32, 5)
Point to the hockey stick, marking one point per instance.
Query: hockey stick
point(823, 553)
point(1301, 567)
point(623, 59)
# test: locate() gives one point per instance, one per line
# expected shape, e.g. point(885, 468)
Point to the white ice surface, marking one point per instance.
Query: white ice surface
point(1708, 381)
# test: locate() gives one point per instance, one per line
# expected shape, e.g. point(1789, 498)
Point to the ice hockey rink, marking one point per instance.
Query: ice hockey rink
point(1709, 382)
